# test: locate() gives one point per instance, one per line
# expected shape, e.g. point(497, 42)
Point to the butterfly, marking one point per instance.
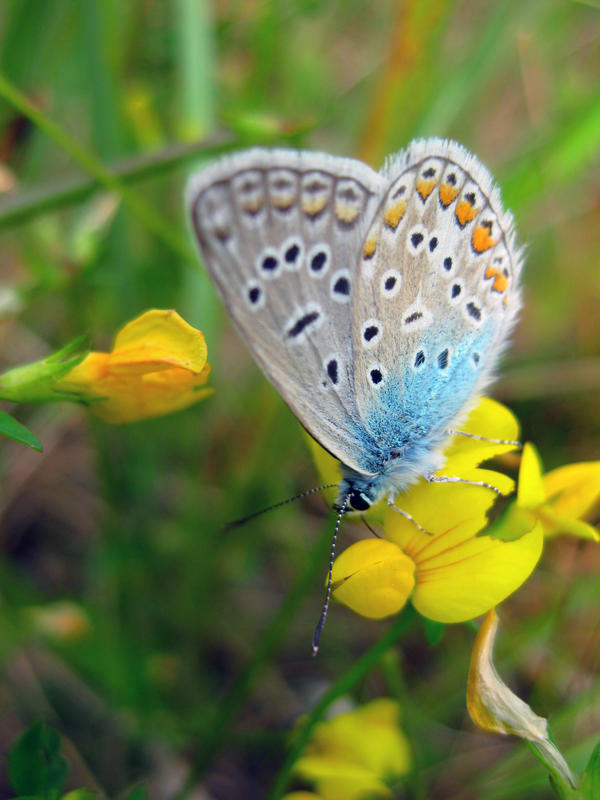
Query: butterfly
point(377, 303)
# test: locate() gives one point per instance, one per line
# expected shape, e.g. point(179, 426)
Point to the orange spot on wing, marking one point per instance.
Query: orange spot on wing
point(481, 239)
point(500, 284)
point(447, 193)
point(370, 247)
point(314, 206)
point(394, 214)
point(346, 213)
point(425, 187)
point(464, 212)
point(252, 205)
point(501, 281)
point(283, 203)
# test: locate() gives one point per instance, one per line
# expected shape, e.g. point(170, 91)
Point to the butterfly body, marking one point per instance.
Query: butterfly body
point(378, 304)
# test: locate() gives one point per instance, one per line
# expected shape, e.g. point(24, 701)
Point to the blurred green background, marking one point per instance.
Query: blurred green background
point(168, 610)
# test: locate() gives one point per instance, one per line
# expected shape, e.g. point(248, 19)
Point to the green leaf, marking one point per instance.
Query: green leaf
point(433, 630)
point(137, 793)
point(35, 382)
point(590, 783)
point(14, 430)
point(514, 522)
point(35, 765)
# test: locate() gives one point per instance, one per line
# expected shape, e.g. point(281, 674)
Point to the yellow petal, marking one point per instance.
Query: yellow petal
point(373, 577)
point(557, 524)
point(490, 419)
point(146, 396)
point(531, 492)
point(574, 490)
point(302, 796)
point(342, 781)
point(384, 749)
point(458, 574)
point(328, 467)
point(88, 372)
point(357, 753)
point(159, 337)
point(437, 507)
point(471, 575)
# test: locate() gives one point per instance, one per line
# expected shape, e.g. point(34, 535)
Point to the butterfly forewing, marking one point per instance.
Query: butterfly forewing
point(436, 294)
point(279, 233)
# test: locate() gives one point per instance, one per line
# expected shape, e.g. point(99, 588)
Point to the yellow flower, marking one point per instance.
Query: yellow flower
point(357, 754)
point(556, 501)
point(157, 365)
point(572, 492)
point(450, 573)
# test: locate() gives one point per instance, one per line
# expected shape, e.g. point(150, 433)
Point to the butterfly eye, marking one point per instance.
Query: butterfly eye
point(359, 500)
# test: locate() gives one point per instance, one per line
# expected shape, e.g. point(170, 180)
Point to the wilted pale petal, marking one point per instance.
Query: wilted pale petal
point(373, 577)
point(494, 707)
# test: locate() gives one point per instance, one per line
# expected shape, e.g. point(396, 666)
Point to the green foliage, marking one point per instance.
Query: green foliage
point(590, 783)
point(35, 764)
point(13, 429)
point(196, 660)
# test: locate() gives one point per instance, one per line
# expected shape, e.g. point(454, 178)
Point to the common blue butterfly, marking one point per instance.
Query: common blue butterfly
point(377, 303)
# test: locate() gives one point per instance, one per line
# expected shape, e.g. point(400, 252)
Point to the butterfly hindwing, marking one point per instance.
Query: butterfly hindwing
point(437, 294)
point(279, 231)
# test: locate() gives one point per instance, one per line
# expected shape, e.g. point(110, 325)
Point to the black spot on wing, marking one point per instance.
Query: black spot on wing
point(302, 323)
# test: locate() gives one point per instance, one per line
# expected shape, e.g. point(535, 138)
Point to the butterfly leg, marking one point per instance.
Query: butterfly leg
point(406, 515)
point(452, 432)
point(454, 479)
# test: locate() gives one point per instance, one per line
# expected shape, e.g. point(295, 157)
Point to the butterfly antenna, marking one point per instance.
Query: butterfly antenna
point(305, 493)
point(319, 629)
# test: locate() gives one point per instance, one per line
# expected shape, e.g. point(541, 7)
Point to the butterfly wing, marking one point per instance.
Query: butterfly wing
point(436, 294)
point(279, 232)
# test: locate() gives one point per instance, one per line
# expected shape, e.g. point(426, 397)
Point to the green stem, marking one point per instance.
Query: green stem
point(194, 57)
point(29, 204)
point(340, 687)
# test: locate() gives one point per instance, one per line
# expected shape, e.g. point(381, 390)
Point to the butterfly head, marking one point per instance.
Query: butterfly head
point(359, 500)
point(359, 492)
